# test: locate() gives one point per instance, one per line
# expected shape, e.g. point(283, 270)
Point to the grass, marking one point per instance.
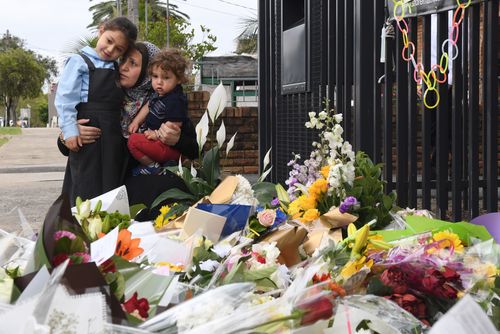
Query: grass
point(10, 131)
point(6, 132)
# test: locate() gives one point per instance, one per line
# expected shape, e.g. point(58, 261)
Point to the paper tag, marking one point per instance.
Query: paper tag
point(112, 201)
point(210, 224)
point(104, 248)
point(464, 317)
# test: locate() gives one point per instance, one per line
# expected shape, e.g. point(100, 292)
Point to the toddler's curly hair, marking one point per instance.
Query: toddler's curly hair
point(171, 59)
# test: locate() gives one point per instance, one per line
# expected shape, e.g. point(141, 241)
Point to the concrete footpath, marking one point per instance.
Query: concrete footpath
point(31, 174)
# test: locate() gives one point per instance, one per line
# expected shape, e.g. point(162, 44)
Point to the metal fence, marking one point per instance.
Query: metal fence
point(443, 159)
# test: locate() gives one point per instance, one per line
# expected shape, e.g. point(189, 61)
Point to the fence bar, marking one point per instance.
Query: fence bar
point(364, 76)
point(401, 123)
point(473, 112)
point(457, 144)
point(332, 51)
point(349, 68)
point(491, 106)
point(465, 107)
point(389, 47)
point(340, 63)
point(378, 71)
point(483, 103)
point(426, 119)
point(412, 125)
point(442, 125)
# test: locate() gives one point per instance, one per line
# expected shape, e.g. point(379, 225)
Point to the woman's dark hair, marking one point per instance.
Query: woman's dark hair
point(121, 23)
point(171, 59)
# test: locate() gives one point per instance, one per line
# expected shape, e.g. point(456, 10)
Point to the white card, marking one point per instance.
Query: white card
point(114, 200)
point(35, 286)
point(104, 248)
point(210, 224)
point(139, 230)
point(464, 317)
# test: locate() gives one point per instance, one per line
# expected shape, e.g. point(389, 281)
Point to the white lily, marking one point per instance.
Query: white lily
point(221, 135)
point(202, 131)
point(230, 144)
point(83, 211)
point(265, 174)
point(266, 158)
point(193, 171)
point(217, 102)
point(95, 227)
point(180, 167)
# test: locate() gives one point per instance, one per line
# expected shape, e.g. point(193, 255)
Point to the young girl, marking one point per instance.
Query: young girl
point(88, 88)
point(169, 103)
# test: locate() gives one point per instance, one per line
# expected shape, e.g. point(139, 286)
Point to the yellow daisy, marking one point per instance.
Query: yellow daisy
point(448, 239)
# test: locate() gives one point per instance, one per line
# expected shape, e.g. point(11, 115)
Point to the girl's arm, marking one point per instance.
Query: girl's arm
point(139, 118)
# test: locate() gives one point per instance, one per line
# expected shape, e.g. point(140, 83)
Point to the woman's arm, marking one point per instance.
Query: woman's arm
point(88, 134)
point(135, 124)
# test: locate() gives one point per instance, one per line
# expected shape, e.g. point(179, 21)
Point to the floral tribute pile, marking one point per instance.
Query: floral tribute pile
point(331, 253)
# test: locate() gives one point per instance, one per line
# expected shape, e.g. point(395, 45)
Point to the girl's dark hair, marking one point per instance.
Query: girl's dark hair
point(171, 59)
point(121, 23)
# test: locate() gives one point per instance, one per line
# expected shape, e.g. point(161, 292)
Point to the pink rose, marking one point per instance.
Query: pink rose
point(266, 217)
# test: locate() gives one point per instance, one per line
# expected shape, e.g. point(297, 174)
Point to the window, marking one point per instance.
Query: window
point(294, 46)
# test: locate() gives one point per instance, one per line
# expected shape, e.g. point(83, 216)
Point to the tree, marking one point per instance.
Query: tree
point(157, 10)
point(247, 39)
point(181, 36)
point(39, 109)
point(8, 41)
point(21, 76)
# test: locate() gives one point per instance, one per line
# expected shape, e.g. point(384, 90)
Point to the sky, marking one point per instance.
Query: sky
point(48, 27)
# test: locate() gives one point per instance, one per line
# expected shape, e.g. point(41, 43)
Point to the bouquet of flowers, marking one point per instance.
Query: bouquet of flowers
point(335, 177)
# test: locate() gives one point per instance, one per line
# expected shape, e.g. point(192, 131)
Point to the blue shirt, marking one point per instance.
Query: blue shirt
point(169, 107)
point(73, 88)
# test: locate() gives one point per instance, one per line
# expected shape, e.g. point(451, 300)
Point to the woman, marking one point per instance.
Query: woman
point(137, 85)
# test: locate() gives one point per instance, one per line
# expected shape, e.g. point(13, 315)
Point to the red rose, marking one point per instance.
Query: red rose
point(141, 305)
point(412, 304)
point(60, 258)
point(441, 284)
point(318, 309)
point(396, 279)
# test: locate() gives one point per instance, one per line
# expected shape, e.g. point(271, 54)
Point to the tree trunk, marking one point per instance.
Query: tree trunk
point(133, 11)
point(11, 110)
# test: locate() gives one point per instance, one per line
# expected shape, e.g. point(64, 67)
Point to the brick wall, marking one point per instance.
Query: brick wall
point(244, 156)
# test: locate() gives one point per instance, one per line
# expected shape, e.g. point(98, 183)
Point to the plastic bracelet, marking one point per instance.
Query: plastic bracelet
point(416, 73)
point(411, 54)
point(396, 5)
point(405, 38)
point(427, 81)
point(461, 15)
point(404, 23)
point(433, 72)
point(465, 4)
point(425, 98)
point(454, 55)
point(445, 66)
point(454, 33)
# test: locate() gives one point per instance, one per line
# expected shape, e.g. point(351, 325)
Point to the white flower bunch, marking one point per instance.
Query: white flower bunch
point(244, 194)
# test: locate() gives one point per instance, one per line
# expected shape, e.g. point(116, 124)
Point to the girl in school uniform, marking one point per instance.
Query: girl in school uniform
point(88, 89)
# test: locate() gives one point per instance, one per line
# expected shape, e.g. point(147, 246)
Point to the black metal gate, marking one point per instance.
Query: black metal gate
point(443, 159)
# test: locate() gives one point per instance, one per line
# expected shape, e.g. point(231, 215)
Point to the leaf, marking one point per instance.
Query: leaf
point(221, 135)
point(264, 192)
point(230, 144)
point(134, 209)
point(254, 275)
point(174, 193)
point(235, 275)
point(211, 166)
point(217, 102)
point(266, 283)
point(387, 202)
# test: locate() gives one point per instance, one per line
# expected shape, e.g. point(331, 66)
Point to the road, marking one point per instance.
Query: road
point(31, 174)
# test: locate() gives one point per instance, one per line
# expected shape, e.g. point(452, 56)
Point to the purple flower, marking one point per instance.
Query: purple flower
point(348, 202)
point(275, 201)
point(61, 234)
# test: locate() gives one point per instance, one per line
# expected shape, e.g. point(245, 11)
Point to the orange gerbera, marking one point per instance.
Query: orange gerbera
point(126, 247)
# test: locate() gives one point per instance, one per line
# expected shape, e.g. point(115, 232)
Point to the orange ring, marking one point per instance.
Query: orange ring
point(405, 38)
point(461, 15)
point(437, 66)
point(454, 32)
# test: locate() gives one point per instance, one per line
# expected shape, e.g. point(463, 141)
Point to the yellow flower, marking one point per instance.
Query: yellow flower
point(294, 209)
point(447, 239)
point(171, 266)
point(354, 266)
point(319, 187)
point(310, 215)
point(307, 202)
point(160, 221)
point(325, 170)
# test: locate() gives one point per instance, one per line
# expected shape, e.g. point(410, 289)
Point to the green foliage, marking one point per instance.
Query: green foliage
point(368, 188)
point(39, 110)
point(22, 76)
point(181, 37)
point(10, 131)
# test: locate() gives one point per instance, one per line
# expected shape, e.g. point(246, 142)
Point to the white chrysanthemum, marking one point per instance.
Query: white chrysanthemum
point(209, 265)
point(222, 249)
point(244, 193)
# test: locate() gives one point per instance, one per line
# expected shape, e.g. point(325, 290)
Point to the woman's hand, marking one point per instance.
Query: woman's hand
point(133, 127)
point(169, 133)
point(88, 134)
